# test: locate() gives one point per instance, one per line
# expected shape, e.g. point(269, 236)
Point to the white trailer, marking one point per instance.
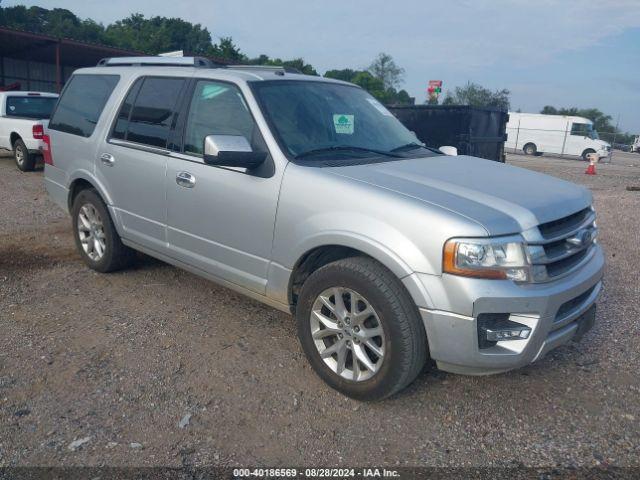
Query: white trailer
point(535, 134)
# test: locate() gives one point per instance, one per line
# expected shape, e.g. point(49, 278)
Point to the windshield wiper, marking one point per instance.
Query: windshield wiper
point(336, 148)
point(413, 146)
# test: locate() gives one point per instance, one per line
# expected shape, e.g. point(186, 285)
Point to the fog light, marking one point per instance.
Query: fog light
point(496, 327)
point(511, 332)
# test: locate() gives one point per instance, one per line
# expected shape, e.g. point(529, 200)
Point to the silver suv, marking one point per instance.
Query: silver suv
point(307, 194)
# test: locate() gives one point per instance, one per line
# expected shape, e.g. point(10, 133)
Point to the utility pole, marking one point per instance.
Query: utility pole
point(613, 142)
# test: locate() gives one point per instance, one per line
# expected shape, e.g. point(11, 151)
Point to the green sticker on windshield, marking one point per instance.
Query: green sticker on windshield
point(343, 123)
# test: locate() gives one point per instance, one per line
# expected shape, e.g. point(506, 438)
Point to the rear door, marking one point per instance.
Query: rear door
point(222, 220)
point(75, 127)
point(133, 162)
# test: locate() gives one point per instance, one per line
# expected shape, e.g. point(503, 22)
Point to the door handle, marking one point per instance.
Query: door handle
point(185, 179)
point(107, 159)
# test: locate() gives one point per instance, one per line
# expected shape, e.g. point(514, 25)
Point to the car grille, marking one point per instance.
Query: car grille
point(563, 245)
point(564, 225)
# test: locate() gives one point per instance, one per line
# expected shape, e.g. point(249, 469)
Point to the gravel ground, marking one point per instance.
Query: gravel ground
point(154, 366)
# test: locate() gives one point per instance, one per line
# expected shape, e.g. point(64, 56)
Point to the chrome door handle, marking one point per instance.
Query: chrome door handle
point(185, 179)
point(107, 159)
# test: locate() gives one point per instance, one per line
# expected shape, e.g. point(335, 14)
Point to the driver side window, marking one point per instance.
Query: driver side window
point(218, 108)
point(579, 129)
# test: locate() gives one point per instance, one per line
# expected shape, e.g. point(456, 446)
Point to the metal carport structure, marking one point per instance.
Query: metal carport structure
point(44, 63)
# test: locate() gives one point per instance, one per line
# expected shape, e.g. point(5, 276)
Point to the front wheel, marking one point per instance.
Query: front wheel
point(530, 149)
point(586, 153)
point(360, 329)
point(24, 160)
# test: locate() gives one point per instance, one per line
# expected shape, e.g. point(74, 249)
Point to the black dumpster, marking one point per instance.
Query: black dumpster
point(480, 132)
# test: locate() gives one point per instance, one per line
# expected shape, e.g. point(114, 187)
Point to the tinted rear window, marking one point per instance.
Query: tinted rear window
point(30, 107)
point(154, 110)
point(82, 103)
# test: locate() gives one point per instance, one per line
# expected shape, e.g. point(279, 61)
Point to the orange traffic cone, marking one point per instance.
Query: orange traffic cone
point(591, 169)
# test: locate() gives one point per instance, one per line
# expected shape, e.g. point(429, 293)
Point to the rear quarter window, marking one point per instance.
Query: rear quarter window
point(81, 104)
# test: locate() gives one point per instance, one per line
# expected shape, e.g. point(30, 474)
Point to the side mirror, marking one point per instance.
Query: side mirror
point(231, 151)
point(448, 150)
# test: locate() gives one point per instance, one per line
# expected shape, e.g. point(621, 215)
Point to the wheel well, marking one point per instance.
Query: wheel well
point(588, 150)
point(529, 143)
point(76, 187)
point(13, 137)
point(312, 261)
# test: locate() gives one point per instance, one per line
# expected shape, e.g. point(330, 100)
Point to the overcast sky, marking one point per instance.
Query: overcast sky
point(558, 52)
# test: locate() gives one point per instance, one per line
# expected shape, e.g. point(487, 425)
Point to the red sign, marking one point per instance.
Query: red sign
point(435, 87)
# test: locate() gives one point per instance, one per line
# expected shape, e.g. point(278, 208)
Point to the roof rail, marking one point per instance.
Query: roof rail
point(153, 61)
point(271, 68)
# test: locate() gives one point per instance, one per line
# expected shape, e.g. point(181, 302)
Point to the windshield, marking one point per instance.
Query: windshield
point(30, 107)
point(594, 135)
point(320, 119)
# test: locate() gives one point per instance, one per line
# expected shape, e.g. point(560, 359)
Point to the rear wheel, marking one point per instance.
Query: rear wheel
point(96, 238)
point(360, 329)
point(530, 149)
point(24, 160)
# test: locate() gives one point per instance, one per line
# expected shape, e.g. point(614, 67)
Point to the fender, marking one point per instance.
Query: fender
point(279, 277)
point(83, 174)
point(357, 241)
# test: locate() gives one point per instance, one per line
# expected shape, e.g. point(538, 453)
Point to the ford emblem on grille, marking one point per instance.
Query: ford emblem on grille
point(581, 238)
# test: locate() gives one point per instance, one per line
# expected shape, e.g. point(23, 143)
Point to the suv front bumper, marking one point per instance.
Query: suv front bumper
point(555, 312)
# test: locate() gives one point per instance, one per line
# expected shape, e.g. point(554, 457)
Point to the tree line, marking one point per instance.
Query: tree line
point(158, 34)
point(153, 35)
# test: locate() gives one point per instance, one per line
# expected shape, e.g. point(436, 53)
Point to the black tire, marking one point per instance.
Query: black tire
point(24, 160)
point(586, 153)
point(116, 255)
point(405, 338)
point(530, 149)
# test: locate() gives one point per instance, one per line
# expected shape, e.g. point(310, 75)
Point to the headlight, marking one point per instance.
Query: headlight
point(486, 258)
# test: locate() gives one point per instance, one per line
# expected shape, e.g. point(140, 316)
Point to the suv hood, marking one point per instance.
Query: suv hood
point(502, 198)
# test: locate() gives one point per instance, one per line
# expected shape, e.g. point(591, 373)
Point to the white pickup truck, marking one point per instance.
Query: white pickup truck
point(23, 118)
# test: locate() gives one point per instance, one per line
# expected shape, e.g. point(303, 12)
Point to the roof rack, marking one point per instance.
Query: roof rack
point(271, 68)
point(199, 62)
point(151, 61)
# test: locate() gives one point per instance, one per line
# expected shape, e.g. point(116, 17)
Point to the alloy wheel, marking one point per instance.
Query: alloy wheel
point(91, 232)
point(19, 156)
point(347, 333)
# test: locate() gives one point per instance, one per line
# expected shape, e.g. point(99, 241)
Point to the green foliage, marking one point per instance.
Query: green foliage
point(384, 68)
point(228, 50)
point(297, 63)
point(58, 22)
point(373, 85)
point(157, 34)
point(149, 35)
point(346, 74)
point(478, 96)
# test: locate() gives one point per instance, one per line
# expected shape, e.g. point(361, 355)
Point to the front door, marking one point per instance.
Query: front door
point(133, 162)
point(577, 139)
point(219, 219)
